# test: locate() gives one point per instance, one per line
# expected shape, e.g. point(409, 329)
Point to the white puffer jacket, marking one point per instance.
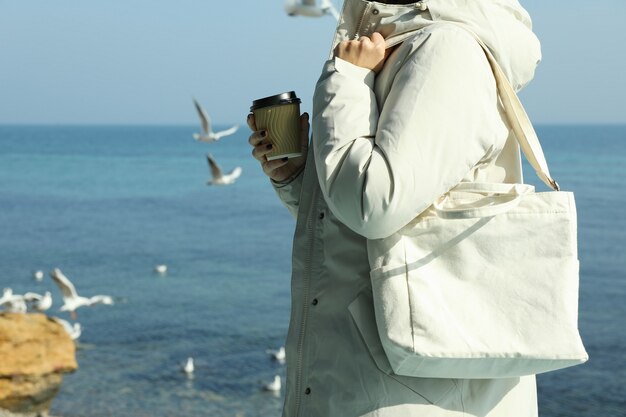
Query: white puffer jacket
point(384, 147)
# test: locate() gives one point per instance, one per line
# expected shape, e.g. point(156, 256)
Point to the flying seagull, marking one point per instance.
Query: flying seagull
point(310, 8)
point(73, 330)
point(207, 134)
point(219, 178)
point(71, 299)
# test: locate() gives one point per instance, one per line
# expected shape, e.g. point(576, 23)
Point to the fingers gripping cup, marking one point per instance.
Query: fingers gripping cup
point(280, 116)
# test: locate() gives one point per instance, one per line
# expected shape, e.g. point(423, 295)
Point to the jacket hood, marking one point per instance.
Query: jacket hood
point(503, 25)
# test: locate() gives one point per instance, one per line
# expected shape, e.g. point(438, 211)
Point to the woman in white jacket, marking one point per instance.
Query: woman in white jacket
point(405, 109)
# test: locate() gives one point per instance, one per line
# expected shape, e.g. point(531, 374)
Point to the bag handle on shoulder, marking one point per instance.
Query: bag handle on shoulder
point(518, 119)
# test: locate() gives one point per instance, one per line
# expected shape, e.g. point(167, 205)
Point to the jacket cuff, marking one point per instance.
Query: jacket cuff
point(288, 192)
point(349, 69)
point(287, 181)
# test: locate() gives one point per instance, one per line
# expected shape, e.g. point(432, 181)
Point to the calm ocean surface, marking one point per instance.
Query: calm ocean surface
point(106, 204)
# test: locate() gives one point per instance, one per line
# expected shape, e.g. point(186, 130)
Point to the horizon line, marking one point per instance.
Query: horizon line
point(134, 124)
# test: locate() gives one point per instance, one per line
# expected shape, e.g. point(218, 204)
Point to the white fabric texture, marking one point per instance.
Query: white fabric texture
point(467, 292)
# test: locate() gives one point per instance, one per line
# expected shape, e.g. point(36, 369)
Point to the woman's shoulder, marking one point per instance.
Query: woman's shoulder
point(443, 37)
point(443, 52)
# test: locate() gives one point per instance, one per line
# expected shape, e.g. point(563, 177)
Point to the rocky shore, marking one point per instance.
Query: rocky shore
point(35, 353)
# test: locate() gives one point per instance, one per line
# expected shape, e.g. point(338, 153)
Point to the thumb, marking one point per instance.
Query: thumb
point(377, 39)
point(304, 129)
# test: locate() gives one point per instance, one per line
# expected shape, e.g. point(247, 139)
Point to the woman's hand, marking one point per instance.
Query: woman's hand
point(367, 52)
point(278, 169)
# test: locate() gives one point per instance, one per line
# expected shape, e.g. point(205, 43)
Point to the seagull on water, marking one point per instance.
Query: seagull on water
point(219, 178)
point(38, 276)
point(73, 330)
point(160, 269)
point(207, 134)
point(188, 367)
point(71, 299)
point(273, 386)
point(310, 8)
point(40, 302)
point(278, 355)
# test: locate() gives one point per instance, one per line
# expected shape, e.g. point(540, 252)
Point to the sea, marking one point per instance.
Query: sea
point(105, 204)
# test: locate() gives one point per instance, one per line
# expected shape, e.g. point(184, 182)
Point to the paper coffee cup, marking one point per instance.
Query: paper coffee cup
point(280, 115)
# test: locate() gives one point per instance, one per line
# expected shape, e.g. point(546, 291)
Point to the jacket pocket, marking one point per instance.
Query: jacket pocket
point(433, 390)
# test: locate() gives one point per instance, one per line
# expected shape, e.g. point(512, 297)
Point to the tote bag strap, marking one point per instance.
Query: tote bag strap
point(518, 119)
point(470, 200)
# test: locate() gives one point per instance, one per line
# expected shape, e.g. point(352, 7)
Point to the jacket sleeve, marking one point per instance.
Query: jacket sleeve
point(380, 164)
point(289, 192)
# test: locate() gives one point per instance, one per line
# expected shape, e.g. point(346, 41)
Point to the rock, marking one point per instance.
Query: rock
point(35, 352)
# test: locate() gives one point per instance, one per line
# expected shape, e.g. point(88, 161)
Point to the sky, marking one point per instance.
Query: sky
point(142, 61)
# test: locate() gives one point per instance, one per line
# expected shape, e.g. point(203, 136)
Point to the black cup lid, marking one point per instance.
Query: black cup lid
point(283, 98)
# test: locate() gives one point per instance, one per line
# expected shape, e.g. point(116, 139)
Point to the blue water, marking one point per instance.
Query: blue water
point(106, 204)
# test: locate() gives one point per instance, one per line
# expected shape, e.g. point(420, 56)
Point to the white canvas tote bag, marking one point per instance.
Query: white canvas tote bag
point(484, 284)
